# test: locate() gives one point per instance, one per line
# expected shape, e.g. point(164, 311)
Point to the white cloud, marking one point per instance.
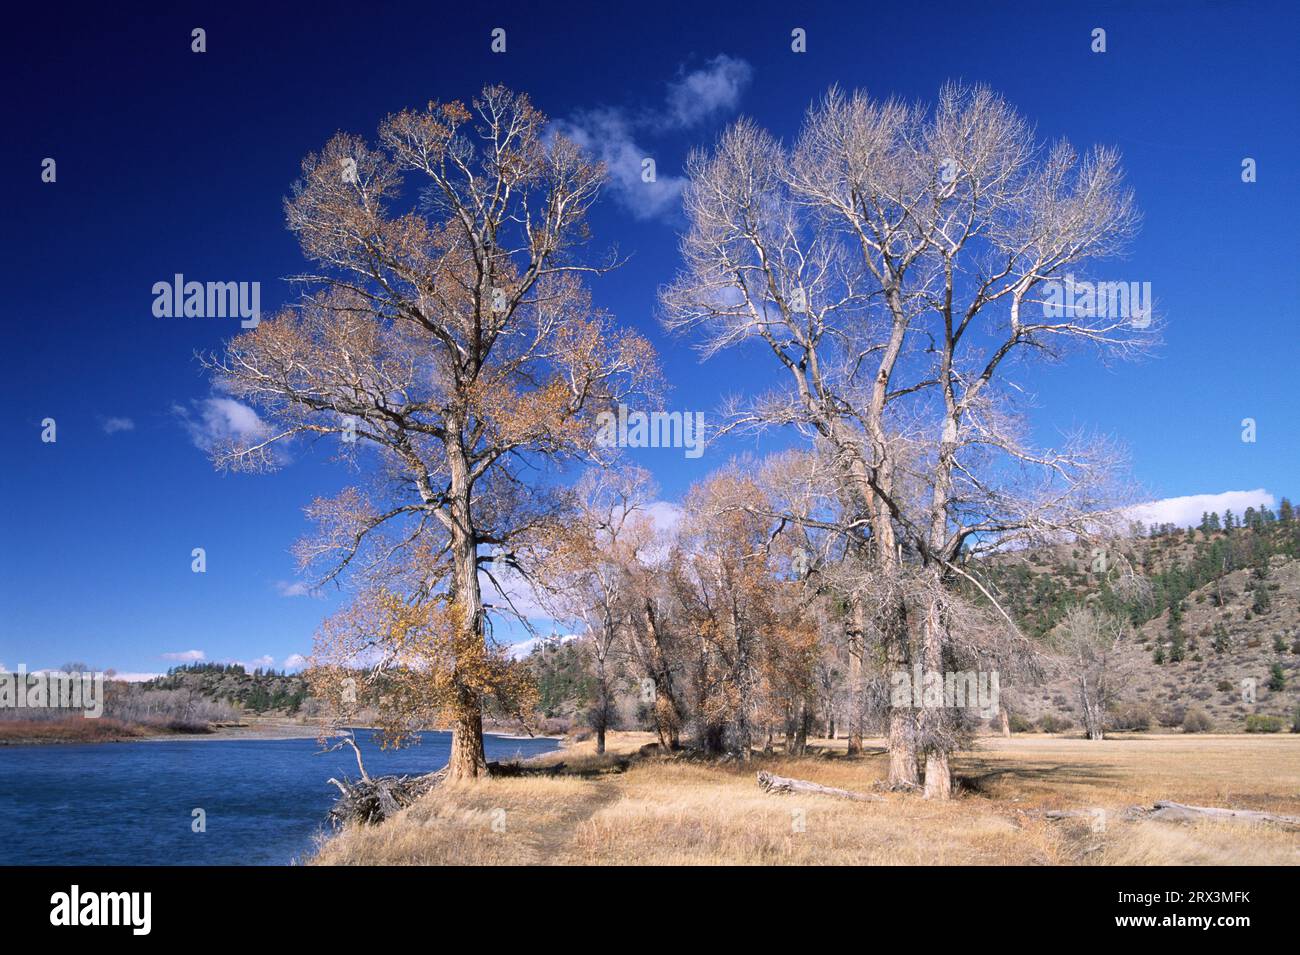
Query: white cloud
point(136, 677)
point(293, 589)
point(1187, 511)
point(520, 650)
point(615, 134)
point(214, 421)
point(665, 515)
point(294, 661)
point(510, 592)
point(607, 134)
point(186, 656)
point(700, 94)
point(114, 425)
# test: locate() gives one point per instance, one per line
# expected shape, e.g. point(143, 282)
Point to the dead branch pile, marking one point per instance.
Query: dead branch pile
point(371, 800)
point(780, 785)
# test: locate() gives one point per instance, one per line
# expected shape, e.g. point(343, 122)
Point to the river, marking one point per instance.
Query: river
point(263, 802)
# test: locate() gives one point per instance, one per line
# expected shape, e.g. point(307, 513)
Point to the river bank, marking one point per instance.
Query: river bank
point(623, 808)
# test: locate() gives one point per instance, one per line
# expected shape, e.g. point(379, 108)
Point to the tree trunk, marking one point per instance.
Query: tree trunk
point(667, 713)
point(857, 687)
point(1005, 720)
point(601, 713)
point(467, 759)
point(1092, 717)
point(903, 770)
point(938, 776)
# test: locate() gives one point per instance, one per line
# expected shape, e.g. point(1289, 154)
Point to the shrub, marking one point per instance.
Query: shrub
point(1258, 723)
point(1133, 717)
point(1019, 724)
point(1053, 724)
point(1173, 716)
point(1224, 686)
point(1197, 721)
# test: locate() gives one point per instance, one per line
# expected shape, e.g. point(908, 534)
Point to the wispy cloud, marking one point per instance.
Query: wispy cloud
point(114, 425)
point(212, 421)
point(294, 588)
point(616, 134)
point(1187, 511)
point(700, 95)
point(294, 662)
point(186, 656)
point(608, 134)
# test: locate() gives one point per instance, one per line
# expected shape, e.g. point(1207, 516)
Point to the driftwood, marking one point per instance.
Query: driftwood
point(781, 785)
point(370, 800)
point(1177, 812)
point(1166, 811)
point(374, 799)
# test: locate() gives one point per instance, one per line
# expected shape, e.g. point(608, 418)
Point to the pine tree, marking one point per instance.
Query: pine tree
point(1276, 678)
point(1177, 647)
point(1285, 514)
point(1220, 638)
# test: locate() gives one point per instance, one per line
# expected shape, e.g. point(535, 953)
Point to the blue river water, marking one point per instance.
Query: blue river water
point(264, 801)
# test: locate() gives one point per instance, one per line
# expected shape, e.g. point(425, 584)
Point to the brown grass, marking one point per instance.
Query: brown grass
point(681, 812)
point(75, 729)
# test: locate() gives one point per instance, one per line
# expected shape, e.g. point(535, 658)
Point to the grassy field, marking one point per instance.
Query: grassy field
point(612, 811)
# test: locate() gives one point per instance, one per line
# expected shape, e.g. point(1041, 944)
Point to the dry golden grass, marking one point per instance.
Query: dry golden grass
point(681, 812)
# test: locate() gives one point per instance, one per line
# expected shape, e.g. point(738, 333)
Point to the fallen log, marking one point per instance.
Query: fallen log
point(1178, 812)
point(1167, 811)
point(780, 785)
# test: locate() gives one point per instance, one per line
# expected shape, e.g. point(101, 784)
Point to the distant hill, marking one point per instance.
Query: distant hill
point(261, 691)
point(1223, 608)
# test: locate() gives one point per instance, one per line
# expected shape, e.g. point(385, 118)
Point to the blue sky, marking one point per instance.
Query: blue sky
point(170, 161)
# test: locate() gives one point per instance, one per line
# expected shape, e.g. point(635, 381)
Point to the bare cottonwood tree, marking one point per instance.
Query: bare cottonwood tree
point(895, 263)
point(591, 578)
point(450, 332)
point(1087, 643)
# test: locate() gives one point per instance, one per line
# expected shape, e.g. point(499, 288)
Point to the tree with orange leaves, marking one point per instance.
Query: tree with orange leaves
point(453, 334)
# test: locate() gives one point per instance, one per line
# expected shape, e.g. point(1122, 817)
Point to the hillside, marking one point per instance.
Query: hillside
point(1223, 608)
point(261, 691)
